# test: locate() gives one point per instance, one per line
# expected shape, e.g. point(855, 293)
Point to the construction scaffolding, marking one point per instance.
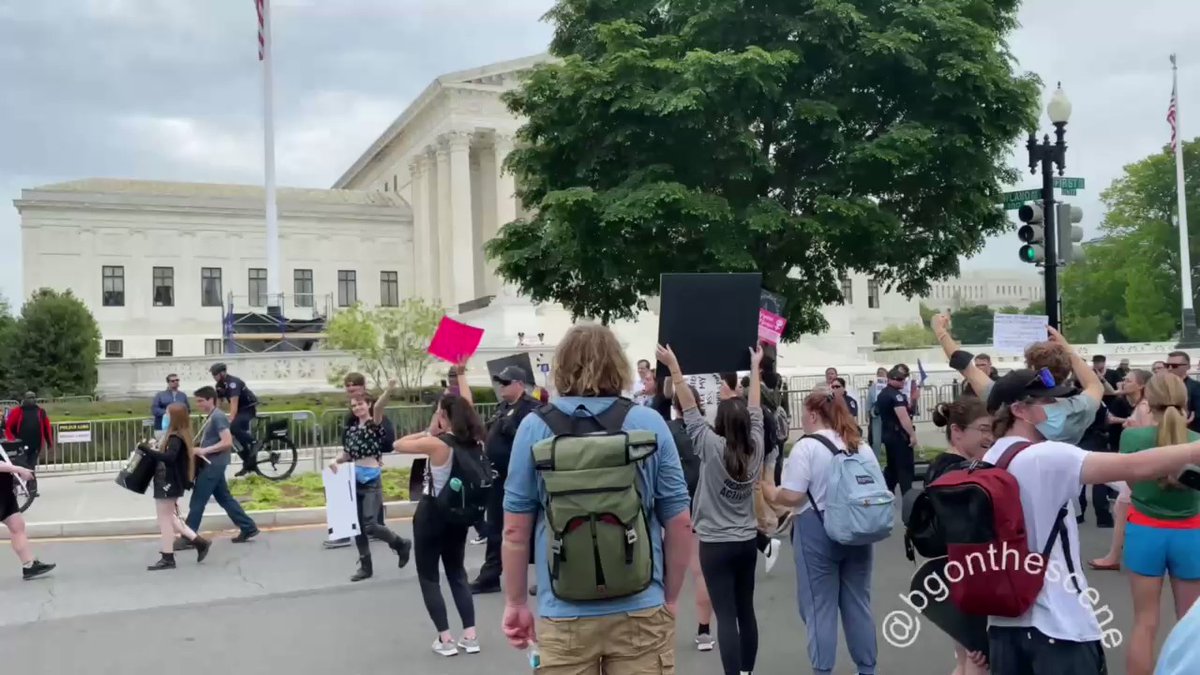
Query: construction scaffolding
point(257, 323)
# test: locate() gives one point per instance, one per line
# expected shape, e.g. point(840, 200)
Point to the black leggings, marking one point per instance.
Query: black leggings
point(729, 572)
point(434, 539)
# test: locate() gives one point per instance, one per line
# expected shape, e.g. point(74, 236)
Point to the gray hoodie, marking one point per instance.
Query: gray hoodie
point(724, 508)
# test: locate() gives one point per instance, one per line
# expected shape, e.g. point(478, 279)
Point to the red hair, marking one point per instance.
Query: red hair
point(835, 415)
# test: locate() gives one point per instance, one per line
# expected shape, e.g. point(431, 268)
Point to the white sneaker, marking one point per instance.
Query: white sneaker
point(705, 642)
point(470, 646)
point(445, 648)
point(772, 553)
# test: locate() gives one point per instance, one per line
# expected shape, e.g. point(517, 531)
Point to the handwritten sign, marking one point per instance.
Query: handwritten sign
point(709, 388)
point(455, 341)
point(1012, 333)
point(770, 326)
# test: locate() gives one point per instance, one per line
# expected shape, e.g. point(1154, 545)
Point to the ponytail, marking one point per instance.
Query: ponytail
point(835, 415)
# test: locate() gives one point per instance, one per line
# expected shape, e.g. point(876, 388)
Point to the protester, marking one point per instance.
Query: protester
point(899, 435)
point(174, 471)
point(30, 424)
point(691, 464)
point(1179, 364)
point(1163, 534)
point(1060, 634)
point(1158, 367)
point(724, 517)
point(1130, 409)
point(969, 432)
point(158, 408)
point(832, 579)
point(364, 445)
point(1110, 378)
point(10, 515)
point(590, 372)
point(639, 383)
point(1181, 651)
point(355, 386)
point(243, 408)
point(831, 374)
point(455, 427)
point(515, 404)
point(983, 362)
point(215, 445)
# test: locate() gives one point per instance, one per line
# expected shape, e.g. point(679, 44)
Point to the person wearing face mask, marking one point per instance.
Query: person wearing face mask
point(1068, 419)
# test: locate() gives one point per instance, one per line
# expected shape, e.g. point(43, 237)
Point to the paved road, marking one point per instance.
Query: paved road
point(281, 604)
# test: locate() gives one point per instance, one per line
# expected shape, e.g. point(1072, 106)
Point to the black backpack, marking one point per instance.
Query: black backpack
point(464, 498)
point(922, 532)
point(687, 455)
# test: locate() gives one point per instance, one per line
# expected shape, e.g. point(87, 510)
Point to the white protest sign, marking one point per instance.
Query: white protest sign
point(1012, 333)
point(341, 502)
point(709, 388)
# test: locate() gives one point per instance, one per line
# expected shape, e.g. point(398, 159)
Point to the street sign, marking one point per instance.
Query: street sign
point(1068, 183)
point(1014, 200)
point(1069, 192)
point(544, 367)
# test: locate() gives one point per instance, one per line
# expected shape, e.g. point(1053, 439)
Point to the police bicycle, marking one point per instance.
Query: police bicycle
point(274, 449)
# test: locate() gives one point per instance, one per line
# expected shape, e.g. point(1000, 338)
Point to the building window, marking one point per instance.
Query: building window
point(164, 348)
point(302, 287)
point(847, 290)
point(164, 286)
point(210, 286)
point(387, 187)
point(112, 285)
point(213, 346)
point(389, 289)
point(114, 349)
point(872, 294)
point(258, 287)
point(875, 337)
point(347, 288)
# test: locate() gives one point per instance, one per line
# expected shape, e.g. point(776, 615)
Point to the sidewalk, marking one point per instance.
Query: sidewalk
point(96, 497)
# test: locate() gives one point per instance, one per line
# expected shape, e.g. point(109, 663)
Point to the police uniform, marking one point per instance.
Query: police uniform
point(230, 388)
point(897, 446)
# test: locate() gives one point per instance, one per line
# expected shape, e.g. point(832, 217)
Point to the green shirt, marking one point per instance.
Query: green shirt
point(1151, 498)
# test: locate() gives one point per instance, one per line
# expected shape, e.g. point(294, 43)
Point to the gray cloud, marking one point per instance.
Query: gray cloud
point(170, 89)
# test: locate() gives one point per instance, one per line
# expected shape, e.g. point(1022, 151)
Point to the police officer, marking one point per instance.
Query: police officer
point(243, 408)
point(515, 404)
point(899, 435)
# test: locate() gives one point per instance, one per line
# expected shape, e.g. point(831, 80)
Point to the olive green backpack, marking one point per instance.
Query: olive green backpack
point(599, 545)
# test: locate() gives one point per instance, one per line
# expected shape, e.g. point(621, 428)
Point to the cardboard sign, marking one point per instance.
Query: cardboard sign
point(771, 302)
point(75, 432)
point(1012, 333)
point(770, 326)
point(709, 388)
point(455, 341)
point(519, 360)
point(709, 320)
point(341, 502)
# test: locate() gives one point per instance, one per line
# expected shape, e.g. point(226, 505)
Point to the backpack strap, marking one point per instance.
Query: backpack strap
point(832, 448)
point(1011, 453)
point(562, 424)
point(558, 421)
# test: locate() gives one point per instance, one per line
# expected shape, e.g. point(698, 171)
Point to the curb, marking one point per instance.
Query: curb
point(125, 527)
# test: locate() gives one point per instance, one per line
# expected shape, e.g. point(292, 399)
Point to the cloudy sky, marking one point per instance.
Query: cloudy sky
point(169, 89)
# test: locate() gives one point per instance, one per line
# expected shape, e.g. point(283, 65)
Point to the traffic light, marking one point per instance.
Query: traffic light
point(1069, 234)
point(1033, 233)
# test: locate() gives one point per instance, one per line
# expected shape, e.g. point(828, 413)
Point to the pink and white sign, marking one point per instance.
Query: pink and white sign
point(770, 326)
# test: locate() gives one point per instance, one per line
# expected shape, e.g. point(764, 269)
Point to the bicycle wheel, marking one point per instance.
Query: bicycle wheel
point(24, 497)
point(276, 458)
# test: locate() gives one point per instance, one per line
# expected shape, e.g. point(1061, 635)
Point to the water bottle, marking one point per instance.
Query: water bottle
point(535, 657)
point(456, 485)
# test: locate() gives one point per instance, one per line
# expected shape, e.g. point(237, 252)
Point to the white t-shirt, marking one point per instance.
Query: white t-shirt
point(807, 467)
point(1049, 476)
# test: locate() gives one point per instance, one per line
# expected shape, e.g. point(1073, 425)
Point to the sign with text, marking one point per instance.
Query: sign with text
point(1068, 183)
point(454, 341)
point(1012, 333)
point(770, 326)
point(709, 388)
point(75, 432)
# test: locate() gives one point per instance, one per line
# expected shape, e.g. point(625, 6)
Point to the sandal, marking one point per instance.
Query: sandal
point(1104, 567)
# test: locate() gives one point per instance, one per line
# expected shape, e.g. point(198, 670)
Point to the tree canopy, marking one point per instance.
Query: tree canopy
point(801, 139)
point(1128, 286)
point(387, 342)
point(52, 348)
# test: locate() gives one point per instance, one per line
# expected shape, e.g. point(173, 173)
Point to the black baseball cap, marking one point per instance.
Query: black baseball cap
point(509, 375)
point(1023, 384)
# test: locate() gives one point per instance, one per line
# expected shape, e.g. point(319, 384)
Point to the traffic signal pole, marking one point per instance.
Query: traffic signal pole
point(1051, 235)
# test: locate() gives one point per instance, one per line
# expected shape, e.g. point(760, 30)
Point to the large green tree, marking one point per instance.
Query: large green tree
point(52, 347)
point(387, 342)
point(801, 139)
point(1128, 287)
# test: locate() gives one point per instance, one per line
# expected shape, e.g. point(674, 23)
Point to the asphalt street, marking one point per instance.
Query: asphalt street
point(281, 604)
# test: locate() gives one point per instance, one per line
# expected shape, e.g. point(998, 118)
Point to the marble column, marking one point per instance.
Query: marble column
point(465, 249)
point(446, 259)
point(486, 279)
point(420, 212)
point(506, 207)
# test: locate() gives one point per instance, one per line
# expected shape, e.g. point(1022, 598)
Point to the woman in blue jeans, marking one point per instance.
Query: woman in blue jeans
point(831, 578)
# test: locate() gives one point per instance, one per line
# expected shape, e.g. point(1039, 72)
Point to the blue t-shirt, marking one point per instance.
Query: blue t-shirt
point(1181, 652)
point(665, 496)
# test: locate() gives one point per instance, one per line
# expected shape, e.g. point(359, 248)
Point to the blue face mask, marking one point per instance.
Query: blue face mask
point(166, 423)
point(1055, 426)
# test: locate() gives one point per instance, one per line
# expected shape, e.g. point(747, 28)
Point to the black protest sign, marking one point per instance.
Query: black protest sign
point(709, 320)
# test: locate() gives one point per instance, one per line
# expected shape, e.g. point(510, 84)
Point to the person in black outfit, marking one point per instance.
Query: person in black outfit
point(243, 408)
point(355, 385)
point(839, 390)
point(1112, 377)
point(30, 425)
point(515, 404)
point(174, 471)
point(1096, 439)
point(899, 434)
point(10, 515)
point(1178, 364)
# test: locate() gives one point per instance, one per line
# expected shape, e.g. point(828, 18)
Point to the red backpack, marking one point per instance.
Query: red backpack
point(979, 511)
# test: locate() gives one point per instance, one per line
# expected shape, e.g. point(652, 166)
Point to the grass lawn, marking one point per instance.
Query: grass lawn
point(304, 491)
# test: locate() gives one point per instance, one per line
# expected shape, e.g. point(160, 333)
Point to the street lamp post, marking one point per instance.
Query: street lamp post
point(1047, 156)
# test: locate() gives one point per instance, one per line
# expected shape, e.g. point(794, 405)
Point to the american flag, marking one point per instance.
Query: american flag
point(262, 36)
point(1171, 111)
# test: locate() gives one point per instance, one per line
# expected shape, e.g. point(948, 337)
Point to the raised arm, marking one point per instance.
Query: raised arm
point(1088, 379)
point(382, 401)
point(464, 389)
point(754, 396)
point(676, 382)
point(978, 379)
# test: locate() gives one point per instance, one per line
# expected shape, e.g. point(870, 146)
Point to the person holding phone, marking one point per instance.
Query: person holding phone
point(10, 515)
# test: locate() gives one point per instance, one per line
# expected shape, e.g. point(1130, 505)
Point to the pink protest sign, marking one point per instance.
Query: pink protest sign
point(455, 341)
point(770, 326)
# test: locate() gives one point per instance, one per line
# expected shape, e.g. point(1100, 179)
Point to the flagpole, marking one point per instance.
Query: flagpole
point(1188, 333)
point(273, 284)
